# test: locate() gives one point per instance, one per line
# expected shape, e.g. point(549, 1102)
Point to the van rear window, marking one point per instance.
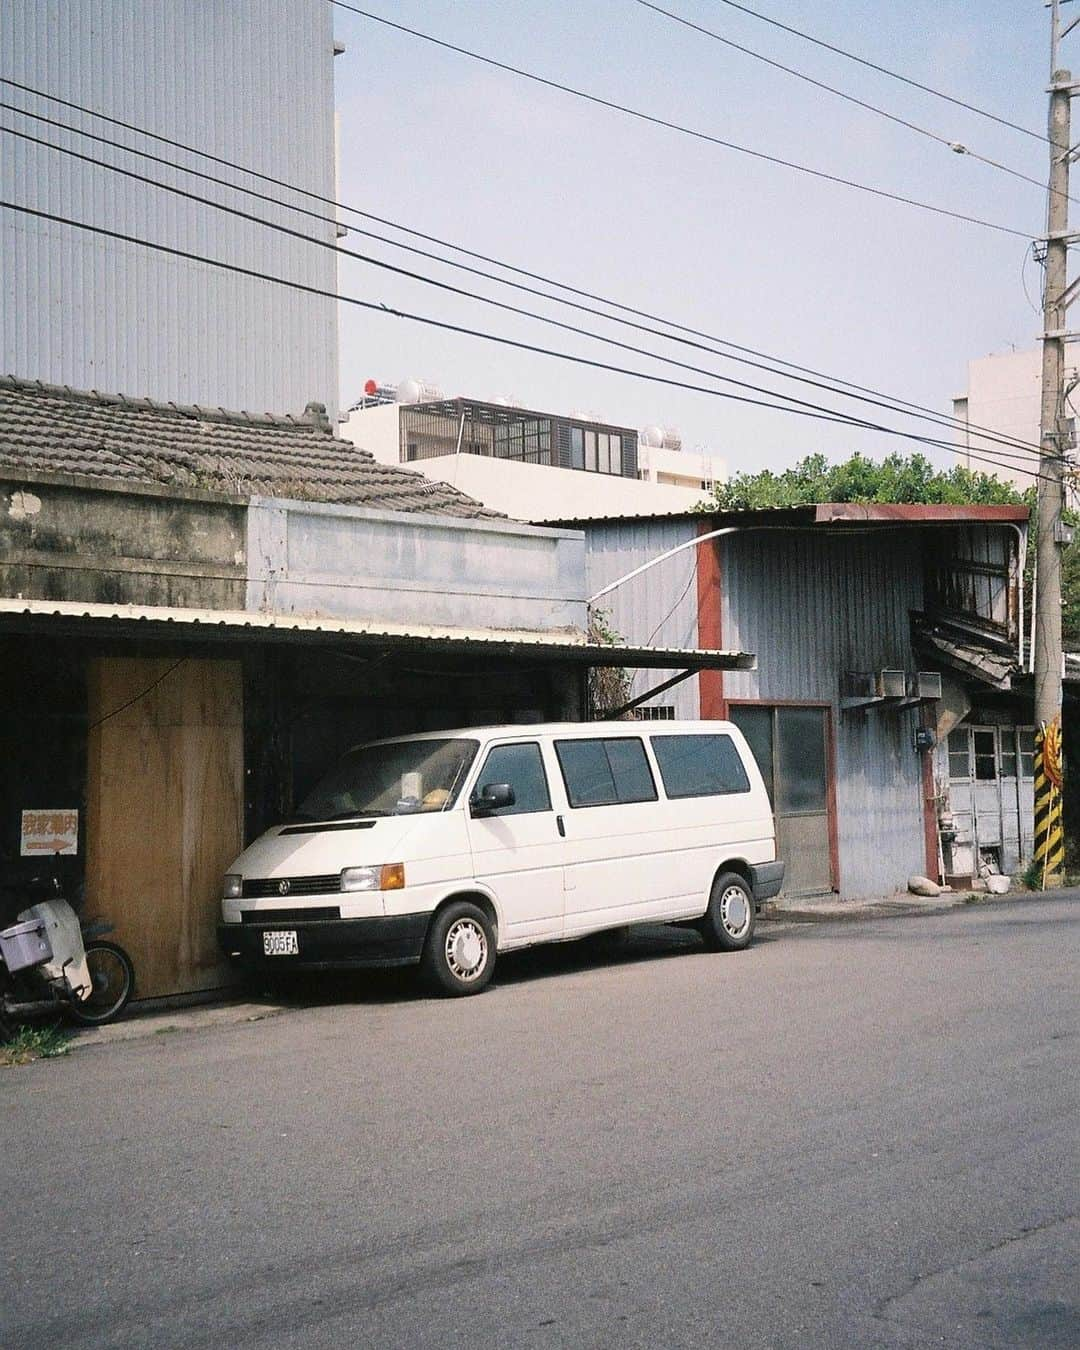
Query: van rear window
point(700, 766)
point(605, 772)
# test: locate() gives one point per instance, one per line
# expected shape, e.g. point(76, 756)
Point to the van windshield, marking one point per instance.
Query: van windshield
point(399, 778)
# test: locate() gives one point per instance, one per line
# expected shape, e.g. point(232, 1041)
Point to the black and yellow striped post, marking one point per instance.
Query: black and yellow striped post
point(1049, 831)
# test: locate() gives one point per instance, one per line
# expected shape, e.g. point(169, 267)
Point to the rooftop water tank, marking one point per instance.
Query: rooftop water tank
point(661, 438)
point(418, 391)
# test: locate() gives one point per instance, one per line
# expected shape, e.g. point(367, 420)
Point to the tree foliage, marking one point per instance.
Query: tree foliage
point(897, 478)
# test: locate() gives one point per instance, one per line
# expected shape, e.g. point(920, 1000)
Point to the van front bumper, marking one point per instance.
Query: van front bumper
point(766, 880)
point(329, 944)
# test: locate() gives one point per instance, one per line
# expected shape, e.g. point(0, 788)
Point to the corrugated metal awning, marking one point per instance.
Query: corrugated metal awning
point(235, 625)
point(989, 660)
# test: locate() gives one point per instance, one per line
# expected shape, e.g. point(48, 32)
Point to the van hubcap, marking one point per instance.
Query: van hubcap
point(466, 949)
point(734, 912)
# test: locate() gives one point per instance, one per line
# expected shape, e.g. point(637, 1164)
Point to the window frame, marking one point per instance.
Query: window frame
point(501, 812)
point(557, 743)
point(656, 736)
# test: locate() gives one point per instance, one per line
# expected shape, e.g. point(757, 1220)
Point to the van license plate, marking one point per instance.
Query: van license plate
point(281, 944)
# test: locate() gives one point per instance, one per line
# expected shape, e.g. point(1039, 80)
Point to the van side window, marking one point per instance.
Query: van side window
point(523, 768)
point(605, 772)
point(699, 766)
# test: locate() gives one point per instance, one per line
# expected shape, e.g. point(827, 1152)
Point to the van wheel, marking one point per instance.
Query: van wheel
point(459, 952)
point(728, 924)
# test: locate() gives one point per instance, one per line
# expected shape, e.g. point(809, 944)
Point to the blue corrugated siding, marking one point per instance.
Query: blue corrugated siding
point(812, 608)
point(248, 80)
point(660, 607)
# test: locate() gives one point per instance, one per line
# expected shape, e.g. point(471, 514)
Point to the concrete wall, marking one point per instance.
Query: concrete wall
point(69, 538)
point(657, 464)
point(1003, 395)
point(541, 492)
point(376, 430)
point(537, 492)
point(347, 562)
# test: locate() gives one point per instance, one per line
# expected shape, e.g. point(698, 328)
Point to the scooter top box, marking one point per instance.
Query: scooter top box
point(25, 944)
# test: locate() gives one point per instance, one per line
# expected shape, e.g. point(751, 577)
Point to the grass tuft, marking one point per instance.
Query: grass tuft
point(30, 1043)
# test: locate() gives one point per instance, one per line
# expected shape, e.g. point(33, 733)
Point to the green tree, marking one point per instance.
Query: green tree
point(899, 478)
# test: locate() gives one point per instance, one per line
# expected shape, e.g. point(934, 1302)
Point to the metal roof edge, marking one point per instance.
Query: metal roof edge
point(822, 513)
point(570, 644)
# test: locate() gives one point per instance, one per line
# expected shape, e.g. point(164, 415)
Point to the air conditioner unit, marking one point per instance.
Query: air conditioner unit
point(924, 685)
point(890, 684)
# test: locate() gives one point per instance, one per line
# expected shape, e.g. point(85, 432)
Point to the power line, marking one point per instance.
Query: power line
point(884, 70)
point(417, 276)
point(498, 339)
point(430, 281)
point(805, 374)
point(956, 146)
point(679, 127)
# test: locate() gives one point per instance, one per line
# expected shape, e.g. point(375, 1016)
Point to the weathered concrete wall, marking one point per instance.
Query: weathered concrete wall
point(347, 562)
point(69, 538)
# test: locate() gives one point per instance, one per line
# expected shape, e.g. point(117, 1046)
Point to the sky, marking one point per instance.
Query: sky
point(855, 286)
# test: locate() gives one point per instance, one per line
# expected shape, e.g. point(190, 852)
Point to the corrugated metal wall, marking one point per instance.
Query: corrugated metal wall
point(248, 80)
point(811, 608)
point(658, 608)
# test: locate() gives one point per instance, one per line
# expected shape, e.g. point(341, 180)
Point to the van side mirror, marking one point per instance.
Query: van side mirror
point(492, 797)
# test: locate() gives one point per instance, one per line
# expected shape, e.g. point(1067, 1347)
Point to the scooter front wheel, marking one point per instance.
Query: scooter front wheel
point(112, 982)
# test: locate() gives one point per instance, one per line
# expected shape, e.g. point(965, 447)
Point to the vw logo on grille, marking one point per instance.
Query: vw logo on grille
point(283, 888)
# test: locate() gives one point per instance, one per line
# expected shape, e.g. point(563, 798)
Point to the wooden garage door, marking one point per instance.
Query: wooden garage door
point(164, 811)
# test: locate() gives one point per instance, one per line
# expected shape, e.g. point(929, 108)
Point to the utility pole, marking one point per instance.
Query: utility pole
point(1054, 441)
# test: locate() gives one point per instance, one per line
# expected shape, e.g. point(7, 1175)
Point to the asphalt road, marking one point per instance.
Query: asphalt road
point(854, 1134)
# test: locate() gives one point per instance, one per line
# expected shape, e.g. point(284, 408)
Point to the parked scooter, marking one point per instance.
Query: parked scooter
point(48, 964)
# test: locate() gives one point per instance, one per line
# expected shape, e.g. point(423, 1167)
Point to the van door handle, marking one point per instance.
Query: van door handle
point(560, 825)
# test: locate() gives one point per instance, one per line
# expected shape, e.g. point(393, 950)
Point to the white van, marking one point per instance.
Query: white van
point(445, 848)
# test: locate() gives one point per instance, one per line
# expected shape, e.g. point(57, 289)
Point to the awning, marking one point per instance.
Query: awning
point(88, 618)
point(986, 659)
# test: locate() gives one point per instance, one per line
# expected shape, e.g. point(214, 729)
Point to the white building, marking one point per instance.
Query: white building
point(251, 83)
point(531, 465)
point(1003, 395)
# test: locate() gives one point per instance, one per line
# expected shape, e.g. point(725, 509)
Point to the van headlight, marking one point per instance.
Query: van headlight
point(360, 879)
point(233, 886)
point(388, 877)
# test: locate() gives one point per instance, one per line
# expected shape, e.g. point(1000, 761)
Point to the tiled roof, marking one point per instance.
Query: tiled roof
point(55, 429)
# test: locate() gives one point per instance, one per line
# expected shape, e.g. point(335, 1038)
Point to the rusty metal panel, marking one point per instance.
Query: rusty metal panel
point(972, 574)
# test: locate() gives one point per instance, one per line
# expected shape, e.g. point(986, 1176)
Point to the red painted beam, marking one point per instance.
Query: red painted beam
point(711, 704)
point(918, 513)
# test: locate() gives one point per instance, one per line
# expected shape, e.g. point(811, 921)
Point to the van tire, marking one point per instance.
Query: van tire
point(728, 924)
point(459, 950)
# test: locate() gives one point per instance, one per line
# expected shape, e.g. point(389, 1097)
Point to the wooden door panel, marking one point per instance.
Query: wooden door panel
point(165, 811)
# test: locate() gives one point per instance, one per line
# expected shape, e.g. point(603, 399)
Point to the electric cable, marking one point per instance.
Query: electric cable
point(679, 127)
point(420, 277)
point(497, 338)
point(1029, 251)
point(797, 403)
point(807, 376)
point(884, 70)
point(955, 146)
point(440, 285)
